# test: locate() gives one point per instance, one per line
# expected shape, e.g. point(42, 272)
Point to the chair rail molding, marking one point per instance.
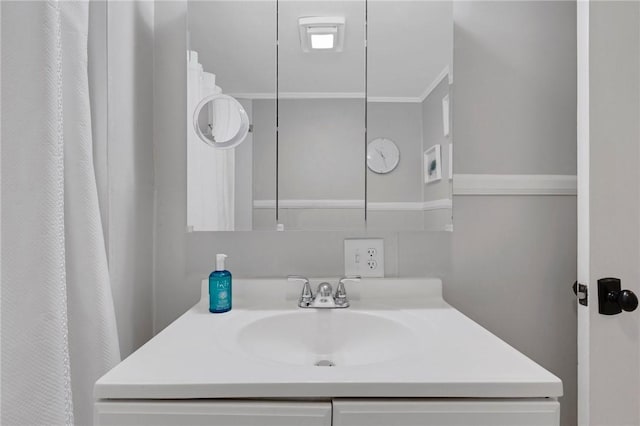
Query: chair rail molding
point(441, 204)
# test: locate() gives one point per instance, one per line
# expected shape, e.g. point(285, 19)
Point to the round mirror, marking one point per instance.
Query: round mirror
point(220, 121)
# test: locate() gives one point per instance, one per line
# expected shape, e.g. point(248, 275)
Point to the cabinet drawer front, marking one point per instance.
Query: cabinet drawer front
point(385, 412)
point(212, 413)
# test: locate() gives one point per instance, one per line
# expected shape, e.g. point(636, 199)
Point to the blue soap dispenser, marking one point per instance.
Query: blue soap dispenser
point(220, 287)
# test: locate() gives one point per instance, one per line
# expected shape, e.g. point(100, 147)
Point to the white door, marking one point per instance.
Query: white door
point(609, 209)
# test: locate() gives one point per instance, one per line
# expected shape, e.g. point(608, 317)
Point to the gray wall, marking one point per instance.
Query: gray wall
point(320, 142)
point(321, 149)
point(402, 123)
point(433, 134)
point(511, 260)
point(414, 127)
point(264, 149)
point(321, 156)
point(243, 174)
point(514, 258)
point(515, 87)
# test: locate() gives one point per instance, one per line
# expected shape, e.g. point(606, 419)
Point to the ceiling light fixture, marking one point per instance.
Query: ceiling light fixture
point(321, 33)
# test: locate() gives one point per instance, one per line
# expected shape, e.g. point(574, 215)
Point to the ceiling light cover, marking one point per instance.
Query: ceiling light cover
point(321, 33)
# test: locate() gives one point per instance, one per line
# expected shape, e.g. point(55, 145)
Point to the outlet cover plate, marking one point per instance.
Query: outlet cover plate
point(361, 253)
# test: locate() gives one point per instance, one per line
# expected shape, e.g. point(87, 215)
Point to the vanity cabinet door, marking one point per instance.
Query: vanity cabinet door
point(211, 413)
point(446, 412)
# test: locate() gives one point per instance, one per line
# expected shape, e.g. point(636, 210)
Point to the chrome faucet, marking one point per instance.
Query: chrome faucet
point(324, 297)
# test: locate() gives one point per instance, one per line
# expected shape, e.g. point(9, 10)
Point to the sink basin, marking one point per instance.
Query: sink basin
point(326, 337)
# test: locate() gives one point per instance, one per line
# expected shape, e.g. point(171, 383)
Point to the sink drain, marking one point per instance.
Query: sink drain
point(324, 363)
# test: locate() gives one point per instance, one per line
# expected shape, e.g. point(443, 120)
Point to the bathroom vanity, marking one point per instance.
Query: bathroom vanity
point(399, 354)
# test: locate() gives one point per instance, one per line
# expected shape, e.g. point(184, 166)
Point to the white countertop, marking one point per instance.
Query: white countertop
point(195, 357)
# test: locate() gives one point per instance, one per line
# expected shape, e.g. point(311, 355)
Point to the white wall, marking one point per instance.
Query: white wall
point(126, 179)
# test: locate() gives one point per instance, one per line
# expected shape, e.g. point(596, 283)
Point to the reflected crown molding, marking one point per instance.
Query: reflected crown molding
point(445, 73)
point(431, 87)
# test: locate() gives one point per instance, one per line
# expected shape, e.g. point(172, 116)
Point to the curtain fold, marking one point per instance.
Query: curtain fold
point(58, 323)
point(93, 337)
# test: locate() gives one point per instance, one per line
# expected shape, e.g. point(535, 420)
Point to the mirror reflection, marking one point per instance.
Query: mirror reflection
point(321, 114)
point(409, 58)
point(348, 102)
point(221, 122)
point(232, 52)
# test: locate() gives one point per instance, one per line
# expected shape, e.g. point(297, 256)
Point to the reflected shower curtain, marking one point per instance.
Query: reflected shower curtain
point(210, 171)
point(58, 323)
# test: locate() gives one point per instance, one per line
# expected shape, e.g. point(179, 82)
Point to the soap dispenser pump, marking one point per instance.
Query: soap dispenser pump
point(220, 287)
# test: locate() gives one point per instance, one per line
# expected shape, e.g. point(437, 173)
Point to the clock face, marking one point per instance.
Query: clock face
point(382, 155)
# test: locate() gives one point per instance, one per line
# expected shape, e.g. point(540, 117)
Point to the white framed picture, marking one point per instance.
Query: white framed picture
point(450, 161)
point(432, 164)
point(445, 115)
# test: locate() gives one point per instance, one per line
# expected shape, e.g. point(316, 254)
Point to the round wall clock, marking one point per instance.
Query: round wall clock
point(383, 155)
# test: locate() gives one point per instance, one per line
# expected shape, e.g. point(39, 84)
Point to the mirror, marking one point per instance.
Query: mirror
point(409, 58)
point(221, 122)
point(231, 52)
point(321, 115)
point(348, 102)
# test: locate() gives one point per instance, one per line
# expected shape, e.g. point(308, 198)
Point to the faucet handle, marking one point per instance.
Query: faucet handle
point(341, 291)
point(306, 297)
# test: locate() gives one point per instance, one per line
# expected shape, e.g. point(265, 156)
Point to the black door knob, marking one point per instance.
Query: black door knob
point(626, 299)
point(612, 299)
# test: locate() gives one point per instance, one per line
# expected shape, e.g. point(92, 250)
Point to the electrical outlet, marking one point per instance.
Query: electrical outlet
point(364, 257)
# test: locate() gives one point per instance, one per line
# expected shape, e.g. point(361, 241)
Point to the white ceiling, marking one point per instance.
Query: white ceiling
point(409, 45)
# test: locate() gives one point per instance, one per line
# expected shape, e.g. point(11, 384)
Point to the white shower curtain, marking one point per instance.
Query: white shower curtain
point(58, 323)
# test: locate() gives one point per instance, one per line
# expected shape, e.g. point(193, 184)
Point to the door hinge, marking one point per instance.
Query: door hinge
point(582, 292)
